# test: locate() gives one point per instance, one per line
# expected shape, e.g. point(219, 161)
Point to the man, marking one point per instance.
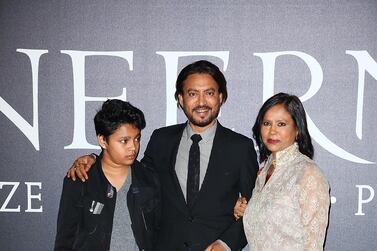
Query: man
point(227, 168)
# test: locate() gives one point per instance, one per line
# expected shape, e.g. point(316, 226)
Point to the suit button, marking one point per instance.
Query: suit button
point(191, 219)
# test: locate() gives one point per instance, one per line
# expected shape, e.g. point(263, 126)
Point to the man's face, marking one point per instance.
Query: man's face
point(201, 100)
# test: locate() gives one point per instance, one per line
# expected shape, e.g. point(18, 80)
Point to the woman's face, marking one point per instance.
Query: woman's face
point(278, 129)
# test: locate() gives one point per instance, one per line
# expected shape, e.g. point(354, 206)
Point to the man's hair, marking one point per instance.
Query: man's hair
point(115, 113)
point(295, 108)
point(201, 67)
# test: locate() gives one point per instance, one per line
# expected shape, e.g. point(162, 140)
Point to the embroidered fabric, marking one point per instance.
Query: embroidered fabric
point(290, 211)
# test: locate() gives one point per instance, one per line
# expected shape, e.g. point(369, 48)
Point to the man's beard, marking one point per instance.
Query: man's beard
point(202, 123)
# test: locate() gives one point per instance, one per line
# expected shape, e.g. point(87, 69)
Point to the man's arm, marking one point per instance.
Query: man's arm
point(234, 236)
point(239, 208)
point(81, 166)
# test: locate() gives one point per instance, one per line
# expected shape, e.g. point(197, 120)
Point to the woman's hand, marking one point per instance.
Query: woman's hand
point(80, 167)
point(239, 208)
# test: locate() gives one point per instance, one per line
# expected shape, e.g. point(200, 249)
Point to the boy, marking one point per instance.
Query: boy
point(119, 206)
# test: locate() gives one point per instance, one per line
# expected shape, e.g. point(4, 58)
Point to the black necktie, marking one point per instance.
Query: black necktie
point(193, 169)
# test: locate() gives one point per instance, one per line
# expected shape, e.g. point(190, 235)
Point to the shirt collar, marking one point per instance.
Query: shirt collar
point(286, 155)
point(207, 135)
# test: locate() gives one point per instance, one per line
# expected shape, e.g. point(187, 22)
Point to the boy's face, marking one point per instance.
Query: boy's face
point(121, 147)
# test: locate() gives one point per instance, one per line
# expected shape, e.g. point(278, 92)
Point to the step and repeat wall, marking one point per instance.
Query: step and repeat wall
point(59, 60)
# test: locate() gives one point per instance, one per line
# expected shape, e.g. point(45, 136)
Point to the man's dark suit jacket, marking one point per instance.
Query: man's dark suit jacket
point(232, 170)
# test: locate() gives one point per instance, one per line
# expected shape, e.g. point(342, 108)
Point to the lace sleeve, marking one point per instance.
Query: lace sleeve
point(314, 203)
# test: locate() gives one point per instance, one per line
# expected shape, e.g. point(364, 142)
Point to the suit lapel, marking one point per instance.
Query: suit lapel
point(181, 202)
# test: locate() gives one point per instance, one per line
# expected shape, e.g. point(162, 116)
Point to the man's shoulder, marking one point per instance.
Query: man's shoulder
point(173, 129)
point(234, 136)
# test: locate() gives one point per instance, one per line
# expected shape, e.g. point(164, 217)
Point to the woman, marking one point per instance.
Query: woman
point(117, 208)
point(289, 206)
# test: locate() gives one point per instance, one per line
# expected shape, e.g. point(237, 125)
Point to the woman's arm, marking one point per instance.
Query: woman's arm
point(314, 200)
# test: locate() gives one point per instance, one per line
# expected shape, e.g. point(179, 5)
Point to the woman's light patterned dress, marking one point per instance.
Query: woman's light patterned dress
point(290, 212)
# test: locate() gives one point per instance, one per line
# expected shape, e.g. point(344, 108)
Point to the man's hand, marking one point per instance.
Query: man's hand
point(80, 167)
point(215, 246)
point(239, 208)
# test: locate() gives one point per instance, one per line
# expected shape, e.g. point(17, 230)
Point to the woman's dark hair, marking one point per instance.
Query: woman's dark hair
point(204, 67)
point(114, 113)
point(295, 108)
